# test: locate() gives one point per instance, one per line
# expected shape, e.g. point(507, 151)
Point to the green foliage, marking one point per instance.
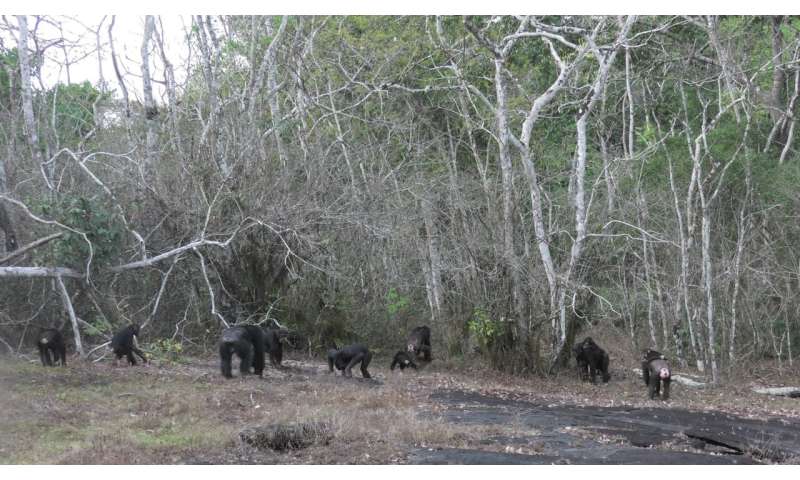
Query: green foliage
point(166, 349)
point(395, 302)
point(74, 112)
point(9, 62)
point(97, 219)
point(485, 329)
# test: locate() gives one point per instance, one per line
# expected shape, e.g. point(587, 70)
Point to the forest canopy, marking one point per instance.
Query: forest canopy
point(509, 181)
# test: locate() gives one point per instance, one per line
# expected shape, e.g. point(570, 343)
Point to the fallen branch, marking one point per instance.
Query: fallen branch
point(30, 246)
point(39, 272)
point(791, 392)
point(683, 380)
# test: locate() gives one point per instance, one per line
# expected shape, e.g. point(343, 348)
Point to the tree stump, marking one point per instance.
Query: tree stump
point(291, 436)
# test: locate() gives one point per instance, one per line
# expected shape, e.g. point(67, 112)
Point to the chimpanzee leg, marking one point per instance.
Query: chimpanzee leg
point(63, 352)
point(43, 355)
point(131, 358)
point(353, 361)
point(245, 360)
point(593, 373)
point(140, 353)
point(365, 364)
point(666, 388)
point(653, 387)
point(225, 356)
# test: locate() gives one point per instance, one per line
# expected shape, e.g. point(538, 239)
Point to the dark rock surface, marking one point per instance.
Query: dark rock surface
point(659, 436)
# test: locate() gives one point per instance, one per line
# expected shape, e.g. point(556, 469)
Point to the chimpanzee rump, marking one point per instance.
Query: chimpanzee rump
point(346, 358)
point(248, 343)
point(52, 341)
point(124, 344)
point(419, 341)
point(403, 360)
point(589, 356)
point(655, 373)
point(274, 347)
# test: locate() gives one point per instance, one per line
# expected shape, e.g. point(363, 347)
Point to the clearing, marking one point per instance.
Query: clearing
point(167, 413)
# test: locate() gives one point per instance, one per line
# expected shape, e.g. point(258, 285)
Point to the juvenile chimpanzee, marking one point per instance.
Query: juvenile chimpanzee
point(419, 341)
point(403, 360)
point(589, 356)
point(125, 344)
point(655, 372)
point(346, 358)
point(273, 346)
point(51, 341)
point(247, 342)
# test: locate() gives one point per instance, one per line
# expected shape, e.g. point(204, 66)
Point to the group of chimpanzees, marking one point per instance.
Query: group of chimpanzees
point(123, 344)
point(251, 343)
point(419, 343)
point(591, 360)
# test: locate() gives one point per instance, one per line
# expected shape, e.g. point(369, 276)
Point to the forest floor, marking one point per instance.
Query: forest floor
point(168, 412)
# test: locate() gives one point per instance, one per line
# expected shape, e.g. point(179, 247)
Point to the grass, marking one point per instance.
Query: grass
point(185, 412)
point(177, 413)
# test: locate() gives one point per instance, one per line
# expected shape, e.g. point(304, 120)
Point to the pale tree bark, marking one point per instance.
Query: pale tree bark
point(605, 58)
point(71, 312)
point(268, 70)
point(212, 130)
point(117, 72)
point(27, 101)
point(171, 87)
point(434, 261)
point(150, 110)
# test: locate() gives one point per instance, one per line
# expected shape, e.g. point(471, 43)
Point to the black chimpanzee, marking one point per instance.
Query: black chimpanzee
point(419, 341)
point(346, 358)
point(125, 344)
point(590, 357)
point(655, 372)
point(247, 342)
point(580, 362)
point(51, 340)
point(403, 360)
point(273, 346)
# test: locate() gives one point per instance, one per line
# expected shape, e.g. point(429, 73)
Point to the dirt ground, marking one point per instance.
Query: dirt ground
point(168, 412)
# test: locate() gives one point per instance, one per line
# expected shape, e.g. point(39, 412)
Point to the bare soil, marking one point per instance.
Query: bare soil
point(167, 413)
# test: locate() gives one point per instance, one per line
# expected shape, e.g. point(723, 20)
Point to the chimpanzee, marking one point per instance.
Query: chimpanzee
point(125, 344)
point(589, 356)
point(580, 361)
point(655, 372)
point(273, 346)
point(248, 342)
point(51, 340)
point(419, 341)
point(403, 360)
point(346, 358)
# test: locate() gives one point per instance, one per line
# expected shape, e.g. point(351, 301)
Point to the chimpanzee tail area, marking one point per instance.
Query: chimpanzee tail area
point(248, 343)
point(51, 341)
point(346, 358)
point(591, 360)
point(656, 374)
point(124, 344)
point(403, 360)
point(419, 342)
